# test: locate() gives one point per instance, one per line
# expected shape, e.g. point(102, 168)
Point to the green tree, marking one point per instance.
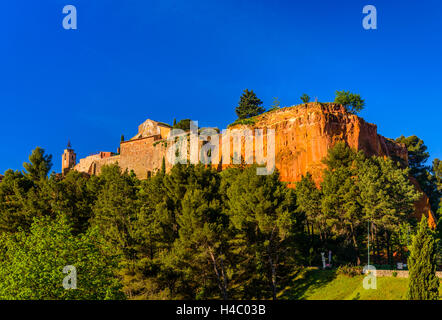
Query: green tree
point(183, 125)
point(308, 199)
point(387, 198)
point(275, 105)
point(261, 210)
point(115, 210)
point(73, 197)
point(423, 283)
point(352, 102)
point(305, 98)
point(417, 161)
point(31, 264)
point(13, 201)
point(201, 249)
point(342, 211)
point(27, 195)
point(249, 105)
point(122, 138)
point(437, 169)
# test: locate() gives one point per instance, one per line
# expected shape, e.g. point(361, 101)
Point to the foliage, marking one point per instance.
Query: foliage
point(275, 105)
point(247, 122)
point(305, 98)
point(31, 264)
point(424, 174)
point(423, 282)
point(349, 270)
point(183, 124)
point(249, 105)
point(352, 102)
point(195, 233)
point(39, 165)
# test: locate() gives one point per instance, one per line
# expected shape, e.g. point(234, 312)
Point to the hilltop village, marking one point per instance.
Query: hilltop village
point(304, 134)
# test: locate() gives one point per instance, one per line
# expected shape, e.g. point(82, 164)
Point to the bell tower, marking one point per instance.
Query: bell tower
point(69, 159)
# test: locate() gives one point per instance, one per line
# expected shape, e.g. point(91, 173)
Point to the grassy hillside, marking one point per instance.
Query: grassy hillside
point(312, 284)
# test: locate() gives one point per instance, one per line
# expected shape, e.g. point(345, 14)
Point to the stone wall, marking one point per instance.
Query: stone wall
point(144, 156)
point(400, 273)
point(98, 165)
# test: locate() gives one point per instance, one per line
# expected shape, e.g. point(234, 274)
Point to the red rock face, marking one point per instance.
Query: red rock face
point(305, 133)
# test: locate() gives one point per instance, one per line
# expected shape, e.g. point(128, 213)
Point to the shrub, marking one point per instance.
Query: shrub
point(349, 270)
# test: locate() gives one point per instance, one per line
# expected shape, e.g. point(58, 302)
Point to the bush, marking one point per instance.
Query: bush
point(248, 121)
point(394, 274)
point(349, 270)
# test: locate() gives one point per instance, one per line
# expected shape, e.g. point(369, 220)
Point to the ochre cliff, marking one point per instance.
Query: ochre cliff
point(305, 133)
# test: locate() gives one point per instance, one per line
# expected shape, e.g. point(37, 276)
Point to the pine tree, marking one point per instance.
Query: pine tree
point(31, 264)
point(417, 161)
point(387, 198)
point(423, 283)
point(340, 193)
point(201, 248)
point(249, 105)
point(275, 105)
point(261, 210)
point(305, 98)
point(308, 199)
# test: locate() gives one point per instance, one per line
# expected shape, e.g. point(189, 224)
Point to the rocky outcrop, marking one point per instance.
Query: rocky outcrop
point(306, 132)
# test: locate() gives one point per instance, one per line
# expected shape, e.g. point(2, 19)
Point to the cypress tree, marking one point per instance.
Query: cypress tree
point(163, 166)
point(423, 283)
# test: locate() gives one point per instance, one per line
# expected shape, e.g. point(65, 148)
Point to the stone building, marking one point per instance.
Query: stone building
point(69, 159)
point(143, 154)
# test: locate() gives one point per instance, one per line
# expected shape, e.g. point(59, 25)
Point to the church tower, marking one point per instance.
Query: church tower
point(69, 159)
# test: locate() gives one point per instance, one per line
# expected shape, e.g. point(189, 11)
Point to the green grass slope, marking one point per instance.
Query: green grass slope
point(310, 284)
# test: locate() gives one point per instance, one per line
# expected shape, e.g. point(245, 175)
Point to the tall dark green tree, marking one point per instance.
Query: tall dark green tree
point(249, 105)
point(114, 211)
point(342, 211)
point(308, 199)
point(201, 249)
point(387, 199)
point(423, 283)
point(261, 210)
point(417, 161)
point(13, 201)
point(437, 169)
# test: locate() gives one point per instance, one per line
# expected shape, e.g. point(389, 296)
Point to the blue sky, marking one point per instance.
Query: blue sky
point(136, 59)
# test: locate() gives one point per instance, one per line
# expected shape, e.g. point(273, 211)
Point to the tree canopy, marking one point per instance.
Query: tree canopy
point(351, 101)
point(249, 105)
